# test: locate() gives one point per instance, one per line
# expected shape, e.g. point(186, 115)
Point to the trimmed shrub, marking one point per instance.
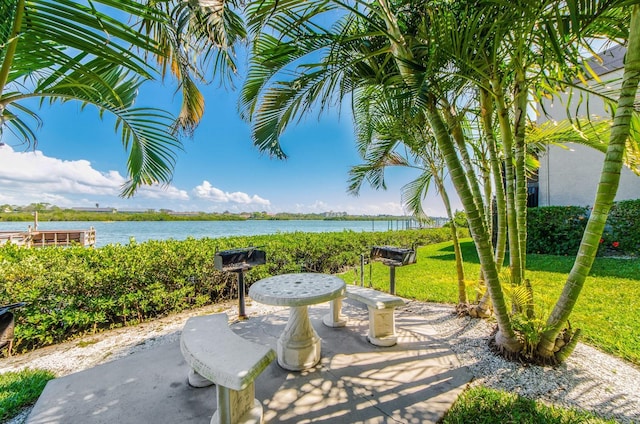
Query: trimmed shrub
point(622, 234)
point(555, 230)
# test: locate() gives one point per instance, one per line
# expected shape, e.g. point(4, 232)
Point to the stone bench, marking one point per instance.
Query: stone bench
point(219, 356)
point(381, 306)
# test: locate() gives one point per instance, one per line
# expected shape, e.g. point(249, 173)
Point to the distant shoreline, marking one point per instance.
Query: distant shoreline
point(67, 215)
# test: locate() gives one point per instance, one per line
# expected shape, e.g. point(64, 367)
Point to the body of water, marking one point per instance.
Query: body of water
point(122, 231)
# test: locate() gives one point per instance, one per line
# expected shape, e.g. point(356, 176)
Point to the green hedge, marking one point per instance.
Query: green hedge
point(557, 230)
point(72, 291)
point(623, 228)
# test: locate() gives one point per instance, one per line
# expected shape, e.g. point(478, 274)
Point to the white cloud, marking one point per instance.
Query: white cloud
point(162, 192)
point(33, 168)
point(208, 192)
point(31, 177)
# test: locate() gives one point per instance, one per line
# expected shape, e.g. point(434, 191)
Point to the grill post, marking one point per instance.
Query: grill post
point(392, 279)
point(241, 312)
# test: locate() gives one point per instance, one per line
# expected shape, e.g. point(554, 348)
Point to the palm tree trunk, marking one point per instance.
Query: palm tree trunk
point(607, 189)
point(507, 142)
point(520, 106)
point(462, 290)
point(458, 137)
point(505, 337)
point(486, 111)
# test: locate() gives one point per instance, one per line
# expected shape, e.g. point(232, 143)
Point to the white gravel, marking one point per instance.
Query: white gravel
point(589, 380)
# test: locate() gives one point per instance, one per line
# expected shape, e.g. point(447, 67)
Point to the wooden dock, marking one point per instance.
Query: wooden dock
point(43, 238)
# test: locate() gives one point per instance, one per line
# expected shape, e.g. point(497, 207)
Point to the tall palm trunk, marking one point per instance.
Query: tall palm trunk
point(607, 189)
point(486, 106)
point(507, 143)
point(505, 337)
point(462, 289)
point(520, 111)
point(461, 143)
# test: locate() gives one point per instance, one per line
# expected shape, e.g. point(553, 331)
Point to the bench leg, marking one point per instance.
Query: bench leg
point(382, 327)
point(237, 407)
point(334, 318)
point(196, 380)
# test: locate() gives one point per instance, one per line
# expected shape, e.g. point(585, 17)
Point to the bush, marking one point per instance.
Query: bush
point(555, 230)
point(623, 228)
point(71, 291)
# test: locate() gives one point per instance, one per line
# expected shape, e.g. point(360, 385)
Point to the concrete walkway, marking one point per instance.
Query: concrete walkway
point(415, 381)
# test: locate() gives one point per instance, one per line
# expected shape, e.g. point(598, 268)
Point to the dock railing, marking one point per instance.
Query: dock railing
point(42, 238)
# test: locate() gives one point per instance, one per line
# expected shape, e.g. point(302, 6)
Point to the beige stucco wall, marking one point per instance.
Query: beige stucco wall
point(570, 176)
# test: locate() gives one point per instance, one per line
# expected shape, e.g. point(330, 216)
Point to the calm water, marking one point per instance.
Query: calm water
point(123, 231)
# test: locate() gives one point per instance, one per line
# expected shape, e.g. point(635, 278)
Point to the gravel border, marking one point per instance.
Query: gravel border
point(589, 380)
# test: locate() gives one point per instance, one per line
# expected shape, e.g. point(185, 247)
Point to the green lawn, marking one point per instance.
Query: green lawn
point(20, 389)
point(608, 310)
point(484, 406)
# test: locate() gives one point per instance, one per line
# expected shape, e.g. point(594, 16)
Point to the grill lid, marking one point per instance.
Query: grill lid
point(395, 256)
point(239, 259)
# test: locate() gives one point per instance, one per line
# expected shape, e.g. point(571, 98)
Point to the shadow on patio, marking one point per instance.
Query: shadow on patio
point(415, 381)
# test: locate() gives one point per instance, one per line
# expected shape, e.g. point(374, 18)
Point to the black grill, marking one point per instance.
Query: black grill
point(239, 261)
point(393, 257)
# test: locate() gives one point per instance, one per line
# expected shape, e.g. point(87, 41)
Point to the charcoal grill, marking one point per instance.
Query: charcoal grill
point(393, 257)
point(7, 325)
point(239, 261)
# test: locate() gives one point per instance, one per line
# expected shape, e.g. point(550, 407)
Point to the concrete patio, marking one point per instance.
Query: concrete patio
point(415, 381)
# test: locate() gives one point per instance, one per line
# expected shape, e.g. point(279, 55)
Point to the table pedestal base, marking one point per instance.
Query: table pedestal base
point(298, 347)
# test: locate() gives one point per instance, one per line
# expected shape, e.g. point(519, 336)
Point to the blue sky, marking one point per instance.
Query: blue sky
point(80, 162)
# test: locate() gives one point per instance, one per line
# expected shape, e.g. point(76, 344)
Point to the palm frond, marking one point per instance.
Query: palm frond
point(151, 149)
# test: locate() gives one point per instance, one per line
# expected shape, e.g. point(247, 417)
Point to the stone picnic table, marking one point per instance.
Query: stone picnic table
point(299, 345)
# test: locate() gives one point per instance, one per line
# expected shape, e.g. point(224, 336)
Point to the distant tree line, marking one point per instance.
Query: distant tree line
point(47, 212)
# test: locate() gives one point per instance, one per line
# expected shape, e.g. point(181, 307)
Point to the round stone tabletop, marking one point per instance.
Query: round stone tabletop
point(298, 289)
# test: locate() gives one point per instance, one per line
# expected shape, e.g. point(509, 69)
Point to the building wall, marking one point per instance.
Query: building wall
point(569, 176)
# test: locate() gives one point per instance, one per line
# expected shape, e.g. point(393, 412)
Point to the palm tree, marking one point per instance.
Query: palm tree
point(431, 51)
point(607, 188)
point(64, 50)
point(384, 125)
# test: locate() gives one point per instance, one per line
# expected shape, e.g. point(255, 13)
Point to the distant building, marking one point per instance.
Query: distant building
point(103, 210)
point(569, 176)
point(135, 210)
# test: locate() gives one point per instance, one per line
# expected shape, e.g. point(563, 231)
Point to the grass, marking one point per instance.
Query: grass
point(20, 389)
point(607, 311)
point(480, 405)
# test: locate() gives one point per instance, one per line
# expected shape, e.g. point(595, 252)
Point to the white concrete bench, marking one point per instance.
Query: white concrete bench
point(381, 306)
point(219, 356)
